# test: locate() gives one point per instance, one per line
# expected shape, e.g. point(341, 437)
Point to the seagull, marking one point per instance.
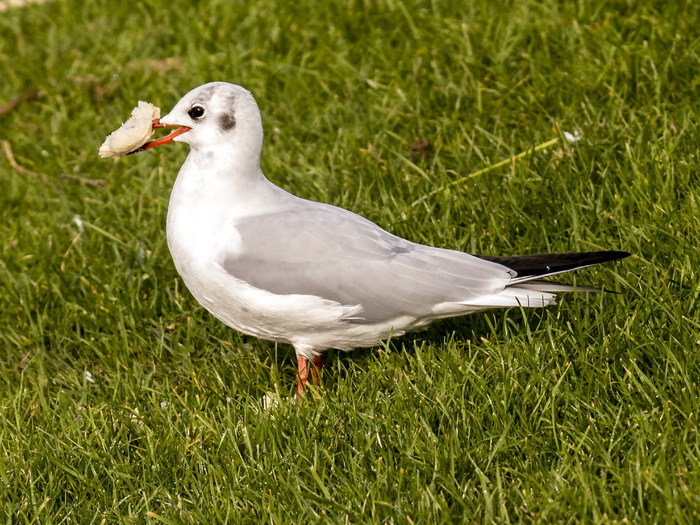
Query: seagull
point(275, 266)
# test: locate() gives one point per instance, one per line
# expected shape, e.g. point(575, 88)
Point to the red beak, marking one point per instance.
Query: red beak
point(162, 140)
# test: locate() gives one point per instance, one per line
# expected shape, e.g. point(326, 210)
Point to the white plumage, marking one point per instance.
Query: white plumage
point(279, 267)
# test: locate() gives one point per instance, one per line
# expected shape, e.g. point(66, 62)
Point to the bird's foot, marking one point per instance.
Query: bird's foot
point(303, 366)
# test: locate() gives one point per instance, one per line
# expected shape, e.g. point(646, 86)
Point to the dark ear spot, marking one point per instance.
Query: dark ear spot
point(227, 121)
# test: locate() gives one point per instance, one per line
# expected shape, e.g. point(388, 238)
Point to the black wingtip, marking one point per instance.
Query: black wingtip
point(551, 263)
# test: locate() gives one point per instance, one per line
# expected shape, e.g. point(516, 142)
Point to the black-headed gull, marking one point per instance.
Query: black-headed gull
point(283, 268)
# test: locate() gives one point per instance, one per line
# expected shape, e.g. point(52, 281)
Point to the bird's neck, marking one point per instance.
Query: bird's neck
point(242, 156)
point(224, 183)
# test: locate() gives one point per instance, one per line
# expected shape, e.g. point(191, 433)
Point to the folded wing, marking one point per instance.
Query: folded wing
point(320, 250)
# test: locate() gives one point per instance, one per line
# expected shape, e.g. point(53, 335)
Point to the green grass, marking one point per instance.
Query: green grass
point(584, 412)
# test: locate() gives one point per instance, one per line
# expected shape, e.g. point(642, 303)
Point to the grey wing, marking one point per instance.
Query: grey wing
point(317, 249)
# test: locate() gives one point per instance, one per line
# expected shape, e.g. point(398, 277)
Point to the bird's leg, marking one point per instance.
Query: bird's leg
point(302, 374)
point(316, 366)
point(303, 366)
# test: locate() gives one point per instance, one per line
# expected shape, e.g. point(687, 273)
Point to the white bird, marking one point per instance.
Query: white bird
point(286, 269)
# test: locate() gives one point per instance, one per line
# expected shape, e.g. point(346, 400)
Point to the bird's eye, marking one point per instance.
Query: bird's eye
point(196, 112)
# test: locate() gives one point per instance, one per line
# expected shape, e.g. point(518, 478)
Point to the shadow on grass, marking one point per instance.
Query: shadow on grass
point(476, 329)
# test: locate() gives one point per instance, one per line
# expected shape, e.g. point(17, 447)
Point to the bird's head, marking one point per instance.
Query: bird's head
point(215, 115)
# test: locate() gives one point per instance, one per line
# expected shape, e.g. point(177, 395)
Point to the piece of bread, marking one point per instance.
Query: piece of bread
point(133, 134)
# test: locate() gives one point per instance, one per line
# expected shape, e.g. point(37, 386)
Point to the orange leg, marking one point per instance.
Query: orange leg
point(316, 366)
point(302, 374)
point(303, 371)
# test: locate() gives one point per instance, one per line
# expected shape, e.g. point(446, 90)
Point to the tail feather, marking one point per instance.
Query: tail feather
point(540, 285)
point(529, 289)
point(531, 267)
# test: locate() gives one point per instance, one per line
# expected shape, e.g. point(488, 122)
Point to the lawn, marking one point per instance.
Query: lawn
point(123, 401)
